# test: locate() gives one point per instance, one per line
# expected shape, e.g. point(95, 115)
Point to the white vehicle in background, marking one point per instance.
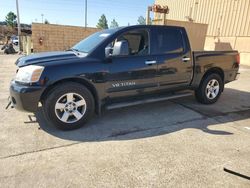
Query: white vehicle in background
point(15, 40)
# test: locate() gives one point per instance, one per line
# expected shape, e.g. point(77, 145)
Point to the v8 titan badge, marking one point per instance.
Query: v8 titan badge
point(123, 84)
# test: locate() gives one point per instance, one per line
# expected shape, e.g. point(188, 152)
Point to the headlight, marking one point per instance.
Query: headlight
point(29, 74)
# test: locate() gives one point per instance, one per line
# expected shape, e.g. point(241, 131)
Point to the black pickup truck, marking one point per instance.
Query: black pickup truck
point(117, 68)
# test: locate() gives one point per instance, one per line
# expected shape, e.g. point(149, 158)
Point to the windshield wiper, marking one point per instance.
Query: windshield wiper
point(76, 50)
point(73, 49)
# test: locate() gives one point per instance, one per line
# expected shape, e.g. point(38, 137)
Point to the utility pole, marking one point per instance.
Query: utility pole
point(42, 17)
point(86, 13)
point(19, 26)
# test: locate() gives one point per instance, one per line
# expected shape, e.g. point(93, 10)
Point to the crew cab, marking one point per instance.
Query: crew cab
point(116, 68)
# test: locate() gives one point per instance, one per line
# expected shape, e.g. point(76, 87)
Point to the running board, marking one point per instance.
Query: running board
point(148, 100)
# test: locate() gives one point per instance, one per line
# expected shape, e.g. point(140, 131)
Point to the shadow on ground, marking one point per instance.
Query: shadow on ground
point(155, 119)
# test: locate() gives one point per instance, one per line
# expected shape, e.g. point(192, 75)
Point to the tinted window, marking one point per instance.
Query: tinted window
point(167, 41)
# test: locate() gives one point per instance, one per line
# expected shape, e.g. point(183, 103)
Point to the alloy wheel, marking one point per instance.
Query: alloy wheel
point(212, 89)
point(70, 107)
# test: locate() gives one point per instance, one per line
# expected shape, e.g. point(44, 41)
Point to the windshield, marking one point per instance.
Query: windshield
point(92, 41)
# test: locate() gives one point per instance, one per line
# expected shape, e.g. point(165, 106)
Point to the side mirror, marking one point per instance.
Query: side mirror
point(108, 51)
point(121, 48)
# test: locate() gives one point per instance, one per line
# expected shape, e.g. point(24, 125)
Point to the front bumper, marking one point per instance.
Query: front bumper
point(25, 98)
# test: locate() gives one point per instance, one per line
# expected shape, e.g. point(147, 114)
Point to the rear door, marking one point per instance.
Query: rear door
point(135, 73)
point(174, 58)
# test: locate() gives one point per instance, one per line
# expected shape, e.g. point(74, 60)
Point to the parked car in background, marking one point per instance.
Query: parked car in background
point(116, 68)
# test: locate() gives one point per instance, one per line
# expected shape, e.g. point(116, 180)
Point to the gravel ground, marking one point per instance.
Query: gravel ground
point(178, 143)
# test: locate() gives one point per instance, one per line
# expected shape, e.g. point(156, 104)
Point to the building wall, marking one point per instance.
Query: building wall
point(228, 22)
point(57, 37)
point(226, 18)
point(242, 44)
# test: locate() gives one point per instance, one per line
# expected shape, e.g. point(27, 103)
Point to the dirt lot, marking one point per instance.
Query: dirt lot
point(177, 143)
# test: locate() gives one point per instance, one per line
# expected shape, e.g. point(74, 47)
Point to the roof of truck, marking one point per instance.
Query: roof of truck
point(151, 26)
point(143, 26)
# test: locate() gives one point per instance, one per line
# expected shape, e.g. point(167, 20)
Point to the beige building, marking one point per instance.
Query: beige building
point(51, 37)
point(228, 22)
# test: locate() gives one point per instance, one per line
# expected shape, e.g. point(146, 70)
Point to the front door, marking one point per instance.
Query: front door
point(135, 73)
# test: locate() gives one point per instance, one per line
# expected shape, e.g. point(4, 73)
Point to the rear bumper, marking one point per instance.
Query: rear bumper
point(231, 75)
point(25, 98)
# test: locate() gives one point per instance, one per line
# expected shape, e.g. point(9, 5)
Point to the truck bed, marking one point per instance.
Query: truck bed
point(214, 53)
point(226, 62)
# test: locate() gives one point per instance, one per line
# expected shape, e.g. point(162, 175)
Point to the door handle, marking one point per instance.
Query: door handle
point(150, 62)
point(186, 59)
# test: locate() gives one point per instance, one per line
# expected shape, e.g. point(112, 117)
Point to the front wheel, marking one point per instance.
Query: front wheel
point(210, 89)
point(69, 106)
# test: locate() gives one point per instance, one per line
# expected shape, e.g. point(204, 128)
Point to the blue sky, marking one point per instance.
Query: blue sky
point(71, 12)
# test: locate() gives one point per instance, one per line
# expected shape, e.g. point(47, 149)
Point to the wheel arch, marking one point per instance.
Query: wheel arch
point(216, 70)
point(200, 91)
point(84, 82)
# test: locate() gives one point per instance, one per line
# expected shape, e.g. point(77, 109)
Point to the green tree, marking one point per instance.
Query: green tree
point(114, 24)
point(10, 19)
point(141, 20)
point(46, 21)
point(102, 23)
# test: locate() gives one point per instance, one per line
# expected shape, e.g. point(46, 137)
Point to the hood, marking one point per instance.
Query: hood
point(45, 57)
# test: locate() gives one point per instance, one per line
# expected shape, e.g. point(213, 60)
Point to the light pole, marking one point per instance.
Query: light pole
point(42, 17)
point(86, 13)
point(19, 26)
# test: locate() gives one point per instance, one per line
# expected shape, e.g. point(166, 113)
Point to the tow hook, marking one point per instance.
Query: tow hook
point(10, 104)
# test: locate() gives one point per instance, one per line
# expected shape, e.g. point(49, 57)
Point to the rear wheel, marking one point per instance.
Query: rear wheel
point(69, 106)
point(210, 89)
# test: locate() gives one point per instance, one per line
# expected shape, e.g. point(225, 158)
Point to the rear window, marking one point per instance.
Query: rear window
point(167, 41)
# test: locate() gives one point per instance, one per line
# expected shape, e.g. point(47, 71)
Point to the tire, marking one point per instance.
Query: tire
point(69, 106)
point(210, 89)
